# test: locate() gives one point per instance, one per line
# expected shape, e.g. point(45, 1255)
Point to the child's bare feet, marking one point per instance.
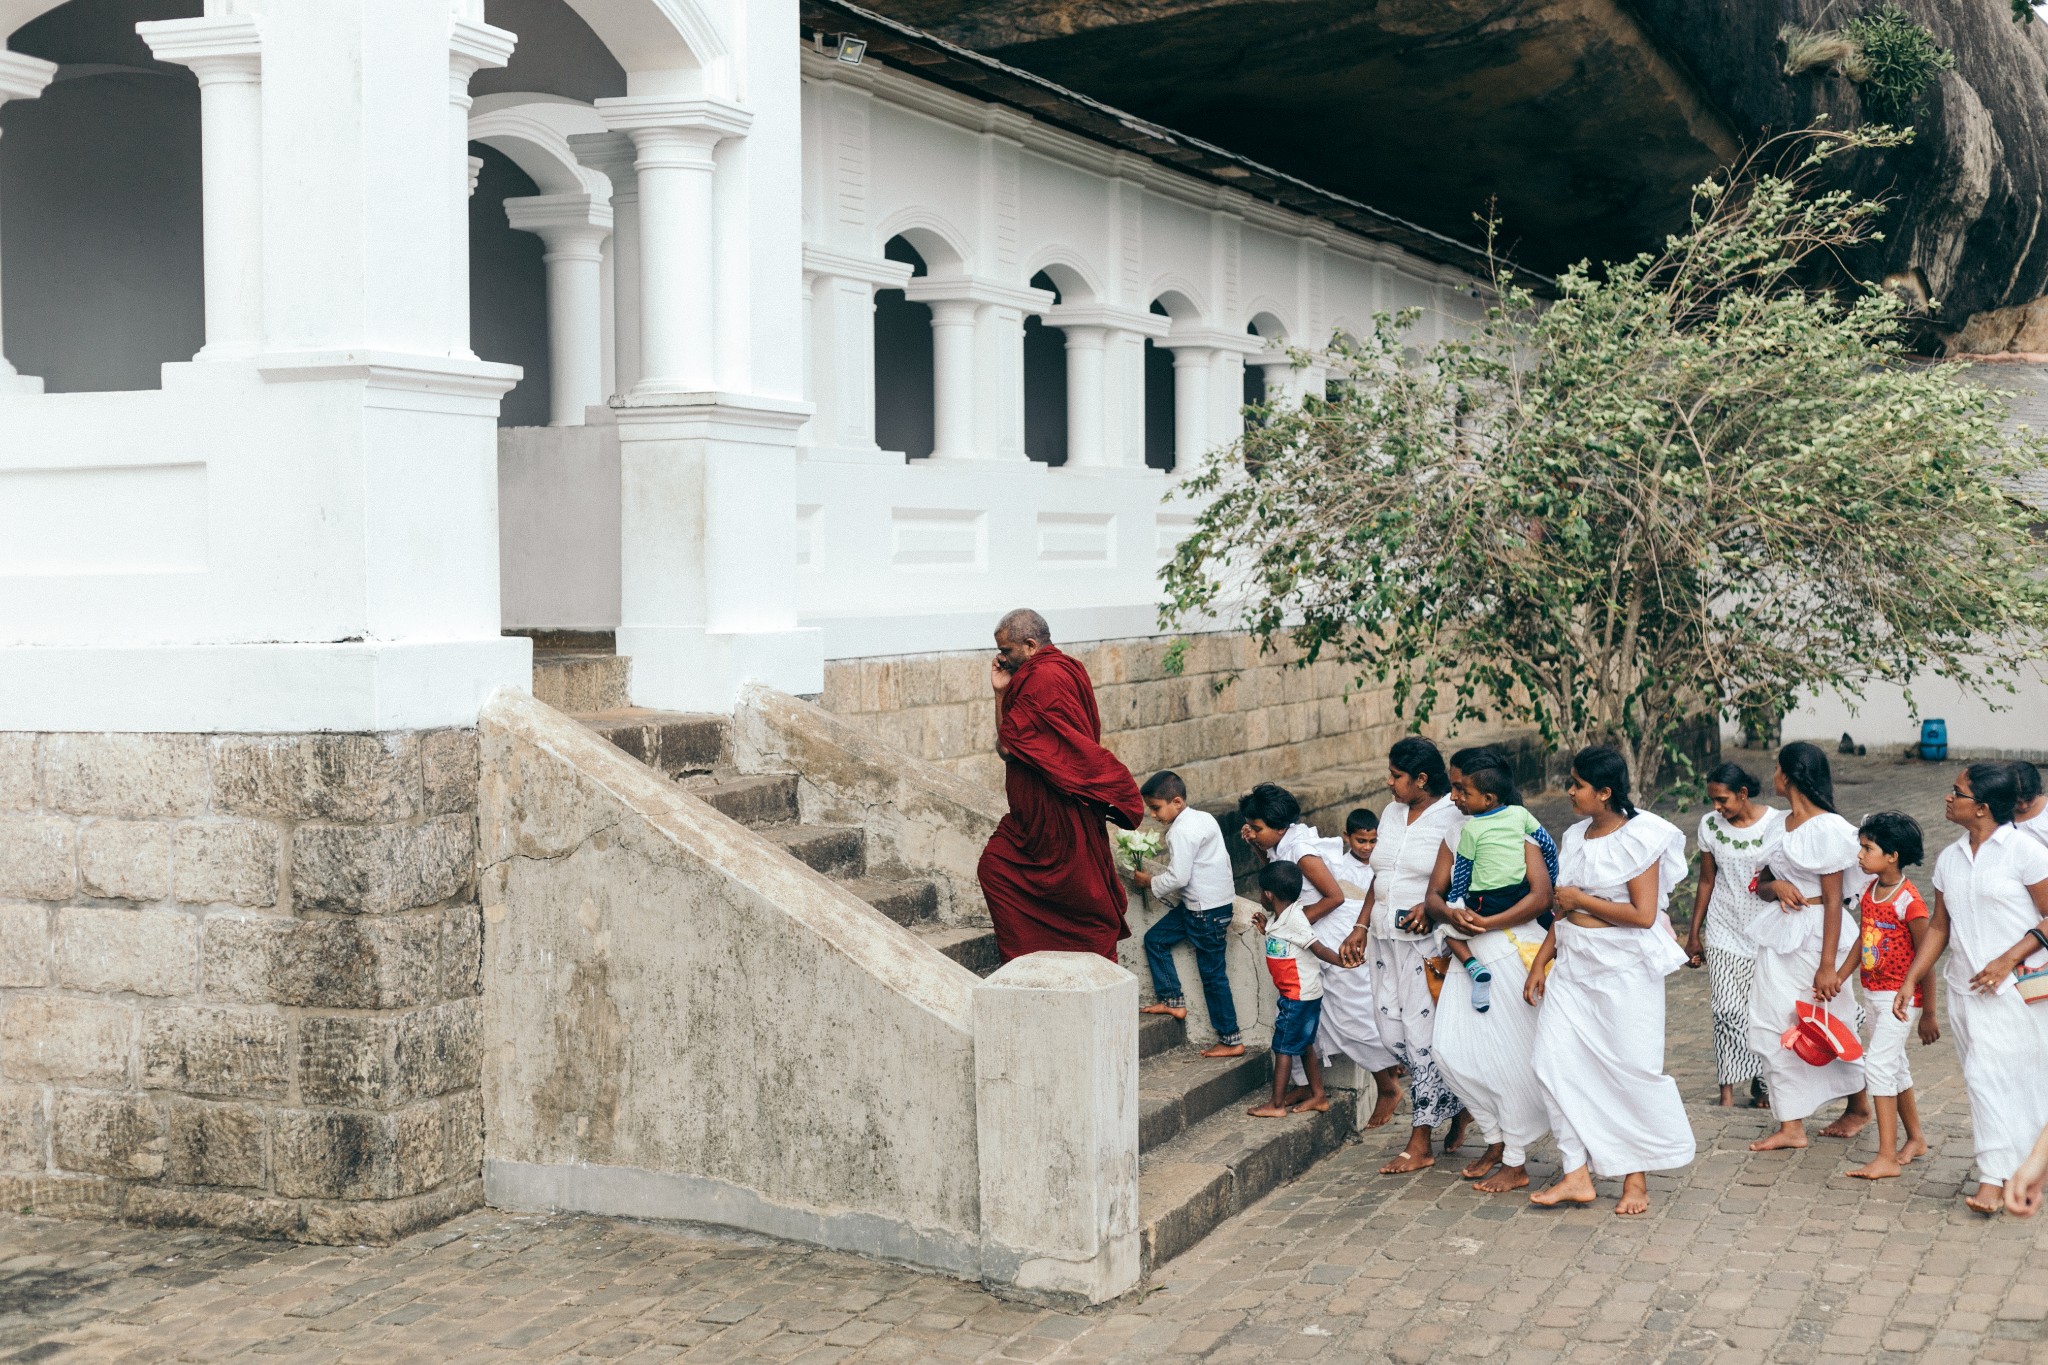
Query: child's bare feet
point(1883, 1166)
point(1989, 1198)
point(1505, 1179)
point(1788, 1136)
point(1224, 1050)
point(1314, 1104)
point(1269, 1111)
point(1483, 1164)
point(1573, 1187)
point(1635, 1196)
point(1177, 1011)
point(1384, 1105)
point(1295, 1095)
point(1914, 1147)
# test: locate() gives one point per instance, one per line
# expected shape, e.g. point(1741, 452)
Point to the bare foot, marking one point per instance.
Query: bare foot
point(1914, 1147)
point(1177, 1011)
point(1989, 1198)
point(1483, 1163)
point(1505, 1179)
point(1314, 1105)
point(1883, 1166)
point(1788, 1136)
point(1727, 1100)
point(1385, 1104)
point(1573, 1187)
point(1408, 1160)
point(1456, 1137)
point(1295, 1095)
point(1635, 1196)
point(1269, 1111)
point(1847, 1126)
point(1224, 1050)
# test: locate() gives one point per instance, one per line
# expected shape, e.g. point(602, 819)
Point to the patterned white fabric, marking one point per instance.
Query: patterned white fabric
point(1408, 1023)
point(1738, 854)
point(1728, 983)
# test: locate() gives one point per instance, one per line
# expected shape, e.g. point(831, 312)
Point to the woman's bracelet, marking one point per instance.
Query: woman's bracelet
point(2038, 937)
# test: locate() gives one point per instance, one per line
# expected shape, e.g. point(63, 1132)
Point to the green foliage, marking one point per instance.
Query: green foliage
point(2022, 11)
point(1175, 661)
point(1691, 485)
point(1902, 60)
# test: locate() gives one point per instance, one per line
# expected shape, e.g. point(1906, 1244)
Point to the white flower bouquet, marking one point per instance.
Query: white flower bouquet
point(1134, 846)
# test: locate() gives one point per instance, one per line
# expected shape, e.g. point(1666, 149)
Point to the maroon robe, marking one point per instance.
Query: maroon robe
point(1047, 873)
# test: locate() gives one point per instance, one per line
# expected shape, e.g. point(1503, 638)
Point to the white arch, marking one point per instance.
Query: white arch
point(534, 131)
point(943, 246)
point(1191, 311)
point(1062, 263)
point(1265, 319)
point(667, 47)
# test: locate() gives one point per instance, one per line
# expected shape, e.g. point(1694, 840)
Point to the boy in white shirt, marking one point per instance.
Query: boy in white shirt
point(1295, 959)
point(1198, 883)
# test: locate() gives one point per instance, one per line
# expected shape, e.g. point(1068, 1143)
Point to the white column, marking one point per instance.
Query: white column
point(840, 349)
point(674, 141)
point(953, 378)
point(1086, 412)
point(574, 227)
point(226, 54)
point(999, 392)
point(1190, 406)
point(613, 154)
point(472, 47)
point(1226, 397)
point(21, 78)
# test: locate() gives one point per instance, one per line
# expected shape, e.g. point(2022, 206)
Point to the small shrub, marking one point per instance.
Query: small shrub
point(1903, 61)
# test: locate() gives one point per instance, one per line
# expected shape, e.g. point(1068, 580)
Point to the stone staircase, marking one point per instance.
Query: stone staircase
point(1202, 1159)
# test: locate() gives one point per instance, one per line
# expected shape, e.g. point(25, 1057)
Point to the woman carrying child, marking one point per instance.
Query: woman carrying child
point(1733, 837)
point(1805, 948)
point(1491, 887)
point(1600, 1032)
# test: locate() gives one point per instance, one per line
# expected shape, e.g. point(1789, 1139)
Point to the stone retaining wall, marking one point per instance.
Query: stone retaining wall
point(239, 979)
point(1271, 723)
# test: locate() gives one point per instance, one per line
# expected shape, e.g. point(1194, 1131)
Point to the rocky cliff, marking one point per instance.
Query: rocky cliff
point(1585, 121)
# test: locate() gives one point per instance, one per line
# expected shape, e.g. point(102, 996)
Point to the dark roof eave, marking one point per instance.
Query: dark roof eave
point(947, 64)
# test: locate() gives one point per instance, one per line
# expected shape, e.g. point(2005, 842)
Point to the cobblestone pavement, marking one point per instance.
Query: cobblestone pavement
point(1743, 1257)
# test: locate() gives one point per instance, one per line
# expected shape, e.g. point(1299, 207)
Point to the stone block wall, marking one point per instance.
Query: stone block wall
point(239, 980)
point(1271, 723)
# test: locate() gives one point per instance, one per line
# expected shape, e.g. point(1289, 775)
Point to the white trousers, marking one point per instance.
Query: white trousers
point(2003, 1043)
point(1885, 1069)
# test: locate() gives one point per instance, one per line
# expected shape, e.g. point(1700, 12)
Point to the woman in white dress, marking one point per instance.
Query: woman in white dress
point(2030, 816)
point(1600, 1031)
point(1805, 949)
point(1488, 1057)
point(1397, 936)
point(1991, 898)
point(1732, 839)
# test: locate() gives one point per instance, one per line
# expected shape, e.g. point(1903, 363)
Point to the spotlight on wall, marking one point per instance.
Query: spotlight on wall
point(850, 49)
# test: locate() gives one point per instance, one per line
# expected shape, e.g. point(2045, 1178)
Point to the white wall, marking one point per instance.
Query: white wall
point(1884, 717)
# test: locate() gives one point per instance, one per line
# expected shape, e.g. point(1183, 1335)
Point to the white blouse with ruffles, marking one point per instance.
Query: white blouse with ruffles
point(1603, 867)
point(1825, 843)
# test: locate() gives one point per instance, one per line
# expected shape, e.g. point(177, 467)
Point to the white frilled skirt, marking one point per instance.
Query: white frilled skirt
point(2003, 1044)
point(1489, 1059)
point(1600, 1053)
point(1787, 956)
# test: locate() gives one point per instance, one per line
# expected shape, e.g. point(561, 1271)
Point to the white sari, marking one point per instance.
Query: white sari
point(1788, 954)
point(1600, 1032)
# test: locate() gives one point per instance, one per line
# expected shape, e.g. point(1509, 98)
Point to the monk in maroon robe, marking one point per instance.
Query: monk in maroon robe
point(1048, 874)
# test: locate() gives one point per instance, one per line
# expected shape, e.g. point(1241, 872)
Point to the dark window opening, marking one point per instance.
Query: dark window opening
point(1045, 384)
point(905, 416)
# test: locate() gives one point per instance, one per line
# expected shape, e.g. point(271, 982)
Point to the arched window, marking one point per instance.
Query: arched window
point(1160, 452)
point(100, 184)
point(1254, 375)
point(905, 419)
point(1045, 384)
point(508, 288)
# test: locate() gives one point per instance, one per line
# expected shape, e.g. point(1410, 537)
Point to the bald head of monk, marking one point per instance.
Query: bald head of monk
point(1019, 635)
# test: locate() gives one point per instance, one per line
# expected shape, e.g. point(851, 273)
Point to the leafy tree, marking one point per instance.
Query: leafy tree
point(1694, 484)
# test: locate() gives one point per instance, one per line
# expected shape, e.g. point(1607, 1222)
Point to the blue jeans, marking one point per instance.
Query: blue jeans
point(1208, 930)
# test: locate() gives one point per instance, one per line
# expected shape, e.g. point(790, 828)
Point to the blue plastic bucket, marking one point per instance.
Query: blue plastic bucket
point(1934, 740)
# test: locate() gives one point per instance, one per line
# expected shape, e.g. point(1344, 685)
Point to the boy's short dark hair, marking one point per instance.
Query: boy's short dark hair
point(1496, 782)
point(1360, 819)
point(1282, 880)
point(1896, 833)
point(1271, 805)
point(1164, 787)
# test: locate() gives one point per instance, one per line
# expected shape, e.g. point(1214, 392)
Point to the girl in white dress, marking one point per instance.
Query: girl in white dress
point(1806, 945)
point(2030, 816)
point(1488, 1058)
point(1600, 1031)
point(1732, 839)
point(1350, 1024)
point(1991, 897)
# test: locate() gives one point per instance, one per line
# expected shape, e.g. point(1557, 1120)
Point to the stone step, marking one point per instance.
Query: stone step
point(577, 680)
point(911, 900)
point(756, 802)
point(1159, 1033)
point(1177, 1090)
point(835, 850)
point(973, 946)
point(673, 743)
point(1218, 1167)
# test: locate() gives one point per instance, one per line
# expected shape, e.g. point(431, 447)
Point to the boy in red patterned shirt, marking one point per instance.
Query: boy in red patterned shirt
point(1894, 921)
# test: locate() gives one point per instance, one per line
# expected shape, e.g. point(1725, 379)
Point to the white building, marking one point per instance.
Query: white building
point(820, 360)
